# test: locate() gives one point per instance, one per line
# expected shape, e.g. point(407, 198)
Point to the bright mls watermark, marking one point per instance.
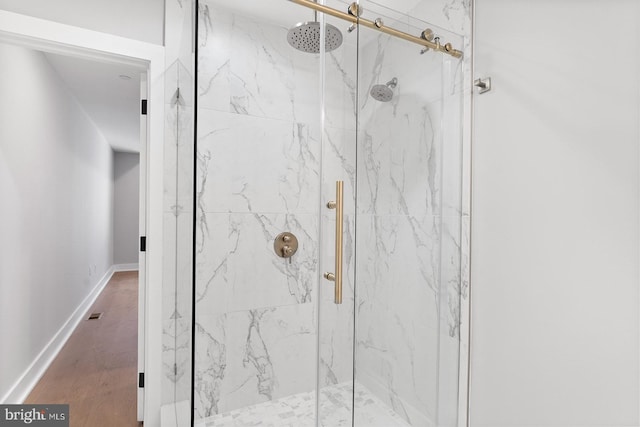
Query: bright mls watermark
point(34, 415)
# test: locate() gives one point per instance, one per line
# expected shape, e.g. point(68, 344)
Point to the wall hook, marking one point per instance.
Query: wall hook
point(484, 85)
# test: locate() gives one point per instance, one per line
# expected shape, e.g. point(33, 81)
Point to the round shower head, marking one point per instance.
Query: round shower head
point(306, 37)
point(384, 93)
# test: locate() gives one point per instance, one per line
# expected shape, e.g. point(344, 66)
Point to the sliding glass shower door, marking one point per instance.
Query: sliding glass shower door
point(390, 352)
point(312, 150)
point(408, 228)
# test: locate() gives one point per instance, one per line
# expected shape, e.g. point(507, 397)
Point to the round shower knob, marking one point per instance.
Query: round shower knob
point(285, 245)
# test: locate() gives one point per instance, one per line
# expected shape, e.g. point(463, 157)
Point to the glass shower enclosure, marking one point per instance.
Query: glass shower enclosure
point(329, 249)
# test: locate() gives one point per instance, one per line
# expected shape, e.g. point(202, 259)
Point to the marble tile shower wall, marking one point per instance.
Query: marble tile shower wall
point(178, 204)
point(257, 175)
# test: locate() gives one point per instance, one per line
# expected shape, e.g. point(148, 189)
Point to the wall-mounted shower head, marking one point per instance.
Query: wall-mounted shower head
point(384, 93)
point(306, 37)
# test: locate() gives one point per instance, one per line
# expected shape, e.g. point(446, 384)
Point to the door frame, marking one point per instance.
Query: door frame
point(142, 232)
point(53, 37)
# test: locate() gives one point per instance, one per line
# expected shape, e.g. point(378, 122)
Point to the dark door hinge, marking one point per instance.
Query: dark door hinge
point(143, 243)
point(141, 380)
point(143, 107)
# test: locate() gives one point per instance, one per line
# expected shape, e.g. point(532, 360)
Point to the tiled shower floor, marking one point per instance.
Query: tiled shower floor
point(299, 411)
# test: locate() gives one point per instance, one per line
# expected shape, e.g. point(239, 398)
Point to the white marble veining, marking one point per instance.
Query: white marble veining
point(178, 152)
point(176, 307)
point(269, 78)
point(336, 321)
point(299, 410)
point(253, 164)
point(409, 249)
point(225, 243)
point(400, 166)
point(397, 311)
point(248, 357)
point(258, 175)
point(176, 359)
point(177, 271)
point(454, 284)
point(400, 144)
point(177, 206)
point(263, 160)
point(341, 83)
point(247, 67)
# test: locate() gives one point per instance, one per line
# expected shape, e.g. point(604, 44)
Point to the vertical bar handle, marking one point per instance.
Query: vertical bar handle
point(338, 206)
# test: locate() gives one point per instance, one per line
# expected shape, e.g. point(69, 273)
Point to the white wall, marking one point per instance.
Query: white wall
point(126, 181)
point(139, 20)
point(76, 41)
point(555, 215)
point(56, 217)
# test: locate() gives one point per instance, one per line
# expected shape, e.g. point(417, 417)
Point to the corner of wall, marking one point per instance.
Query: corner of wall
point(30, 377)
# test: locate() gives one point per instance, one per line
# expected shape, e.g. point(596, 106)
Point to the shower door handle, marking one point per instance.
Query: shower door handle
point(338, 206)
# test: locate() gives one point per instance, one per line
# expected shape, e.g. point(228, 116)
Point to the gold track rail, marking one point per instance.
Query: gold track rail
point(378, 25)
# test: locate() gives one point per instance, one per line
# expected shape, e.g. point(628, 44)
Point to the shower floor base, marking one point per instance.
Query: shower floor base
point(299, 410)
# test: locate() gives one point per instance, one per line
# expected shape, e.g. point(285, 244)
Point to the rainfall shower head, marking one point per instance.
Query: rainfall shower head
point(384, 93)
point(306, 37)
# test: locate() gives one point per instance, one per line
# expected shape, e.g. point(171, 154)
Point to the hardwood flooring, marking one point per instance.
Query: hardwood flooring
point(96, 371)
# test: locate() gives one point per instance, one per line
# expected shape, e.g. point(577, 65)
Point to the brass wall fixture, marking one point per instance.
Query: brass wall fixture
point(285, 245)
point(377, 24)
point(337, 276)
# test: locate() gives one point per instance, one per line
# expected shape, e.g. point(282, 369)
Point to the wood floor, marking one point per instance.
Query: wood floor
point(96, 371)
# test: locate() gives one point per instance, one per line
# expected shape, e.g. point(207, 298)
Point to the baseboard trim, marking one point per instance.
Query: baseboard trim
point(28, 380)
point(125, 267)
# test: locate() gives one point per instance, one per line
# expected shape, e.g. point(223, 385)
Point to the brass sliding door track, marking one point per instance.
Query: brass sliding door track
point(423, 40)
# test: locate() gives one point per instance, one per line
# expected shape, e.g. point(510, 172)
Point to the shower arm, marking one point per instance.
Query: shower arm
point(446, 48)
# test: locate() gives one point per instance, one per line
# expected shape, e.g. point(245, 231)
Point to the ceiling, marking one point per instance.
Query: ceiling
point(111, 101)
point(135, 19)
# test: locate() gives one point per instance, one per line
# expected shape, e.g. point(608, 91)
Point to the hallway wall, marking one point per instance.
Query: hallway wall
point(126, 181)
point(56, 186)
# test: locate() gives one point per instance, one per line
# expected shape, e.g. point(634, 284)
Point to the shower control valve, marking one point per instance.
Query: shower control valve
point(285, 245)
point(287, 251)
